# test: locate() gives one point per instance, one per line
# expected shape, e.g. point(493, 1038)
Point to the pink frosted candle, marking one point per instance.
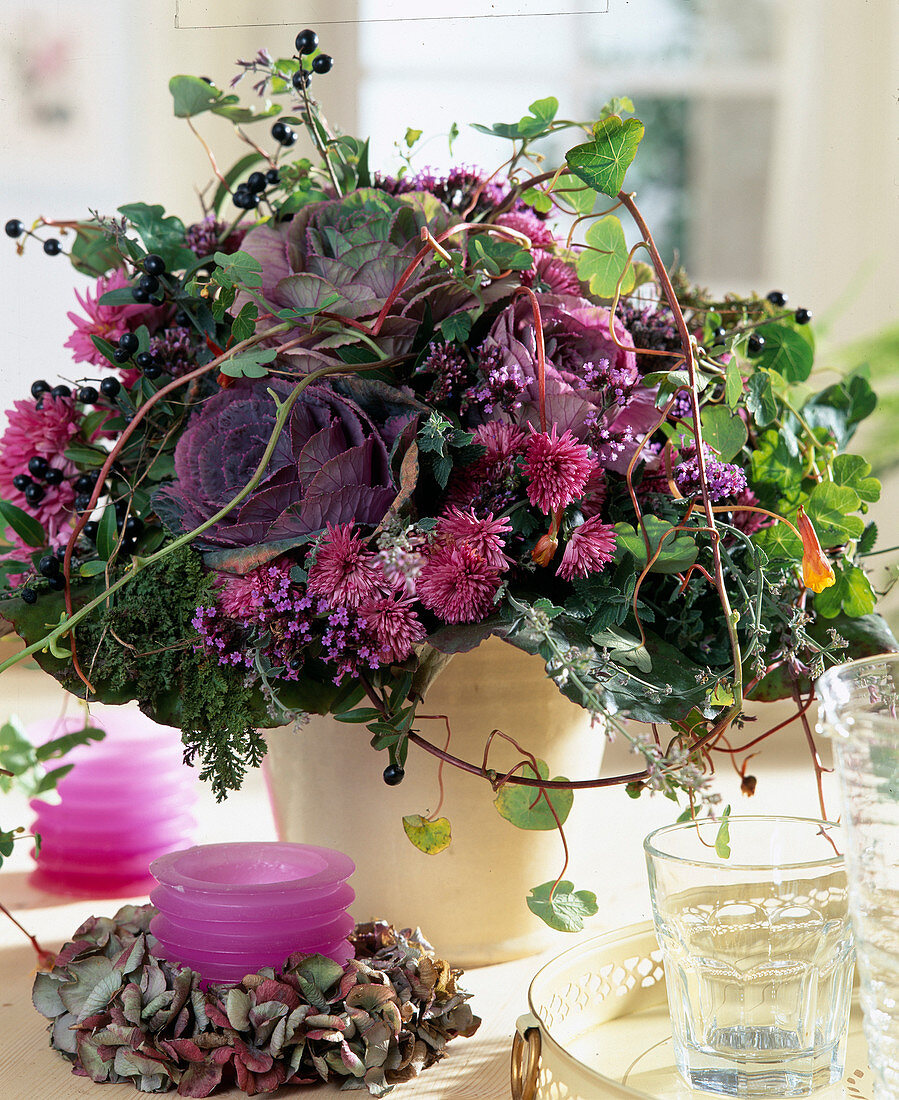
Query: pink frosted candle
point(127, 800)
point(226, 910)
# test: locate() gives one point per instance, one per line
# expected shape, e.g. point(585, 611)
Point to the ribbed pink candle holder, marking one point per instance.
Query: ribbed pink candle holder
point(126, 801)
point(226, 910)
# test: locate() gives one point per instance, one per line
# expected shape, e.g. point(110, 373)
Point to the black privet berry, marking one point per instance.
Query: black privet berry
point(57, 583)
point(140, 295)
point(84, 483)
point(39, 387)
point(145, 359)
point(272, 176)
point(755, 343)
point(149, 283)
point(154, 265)
point(256, 182)
point(306, 41)
point(110, 387)
point(121, 355)
point(300, 79)
point(37, 466)
point(53, 476)
point(134, 527)
point(88, 395)
point(21, 482)
point(121, 510)
point(82, 502)
point(34, 494)
point(14, 228)
point(802, 316)
point(60, 391)
point(282, 133)
point(129, 342)
point(90, 529)
point(28, 595)
point(777, 298)
point(48, 566)
point(152, 370)
point(322, 64)
point(52, 246)
point(393, 775)
point(720, 332)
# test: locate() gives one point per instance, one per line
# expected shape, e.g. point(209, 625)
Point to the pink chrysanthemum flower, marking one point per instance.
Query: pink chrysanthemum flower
point(590, 548)
point(344, 572)
point(557, 468)
point(484, 536)
point(47, 432)
point(244, 596)
point(108, 322)
point(392, 621)
point(457, 584)
point(503, 441)
point(552, 275)
point(523, 221)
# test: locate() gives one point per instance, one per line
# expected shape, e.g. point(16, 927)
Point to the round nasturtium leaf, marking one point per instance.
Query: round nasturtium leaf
point(526, 807)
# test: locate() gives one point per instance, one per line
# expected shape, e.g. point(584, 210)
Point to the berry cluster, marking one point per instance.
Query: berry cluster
point(306, 44)
point(248, 194)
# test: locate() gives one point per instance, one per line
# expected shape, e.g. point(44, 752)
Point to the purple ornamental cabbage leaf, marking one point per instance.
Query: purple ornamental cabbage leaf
point(330, 465)
point(593, 386)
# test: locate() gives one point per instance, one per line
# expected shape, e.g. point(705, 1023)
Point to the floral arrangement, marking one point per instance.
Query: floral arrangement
point(121, 1014)
point(347, 424)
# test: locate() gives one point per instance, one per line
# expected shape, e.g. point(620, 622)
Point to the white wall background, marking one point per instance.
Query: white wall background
point(791, 157)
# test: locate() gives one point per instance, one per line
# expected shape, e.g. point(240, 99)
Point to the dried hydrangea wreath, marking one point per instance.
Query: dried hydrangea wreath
point(120, 1014)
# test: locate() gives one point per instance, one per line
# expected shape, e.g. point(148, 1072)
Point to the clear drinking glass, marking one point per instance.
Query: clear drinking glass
point(758, 952)
point(859, 702)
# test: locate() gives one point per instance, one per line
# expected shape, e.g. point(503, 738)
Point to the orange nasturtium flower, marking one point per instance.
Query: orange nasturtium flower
point(817, 572)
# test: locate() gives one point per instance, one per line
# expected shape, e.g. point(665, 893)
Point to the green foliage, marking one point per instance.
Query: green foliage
point(562, 907)
point(527, 808)
point(675, 551)
point(722, 837)
point(789, 350)
point(26, 527)
point(603, 162)
point(194, 96)
point(437, 439)
point(851, 594)
point(725, 433)
point(161, 233)
point(605, 262)
point(536, 124)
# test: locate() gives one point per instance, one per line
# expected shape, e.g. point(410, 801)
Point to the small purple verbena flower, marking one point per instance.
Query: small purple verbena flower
point(449, 366)
point(724, 479)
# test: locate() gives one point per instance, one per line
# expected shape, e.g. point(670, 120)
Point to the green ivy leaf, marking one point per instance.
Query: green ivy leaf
point(238, 269)
point(93, 250)
point(571, 191)
point(430, 837)
point(531, 126)
point(526, 807)
point(540, 201)
point(760, 401)
point(251, 364)
point(93, 568)
point(850, 593)
point(412, 136)
point(160, 233)
point(789, 351)
point(603, 162)
point(456, 327)
point(723, 431)
point(678, 551)
point(566, 909)
point(606, 260)
point(828, 508)
point(244, 324)
point(26, 527)
point(192, 95)
point(495, 255)
point(853, 470)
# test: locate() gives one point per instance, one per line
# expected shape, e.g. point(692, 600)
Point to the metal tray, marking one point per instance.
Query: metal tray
point(598, 1027)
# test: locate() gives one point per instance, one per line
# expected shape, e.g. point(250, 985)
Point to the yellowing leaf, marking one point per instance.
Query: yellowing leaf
point(428, 836)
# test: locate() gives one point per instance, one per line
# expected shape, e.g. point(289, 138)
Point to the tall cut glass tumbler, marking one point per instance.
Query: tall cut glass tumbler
point(860, 712)
point(757, 949)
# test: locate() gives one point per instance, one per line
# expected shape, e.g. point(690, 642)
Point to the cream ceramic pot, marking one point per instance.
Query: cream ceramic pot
point(327, 788)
